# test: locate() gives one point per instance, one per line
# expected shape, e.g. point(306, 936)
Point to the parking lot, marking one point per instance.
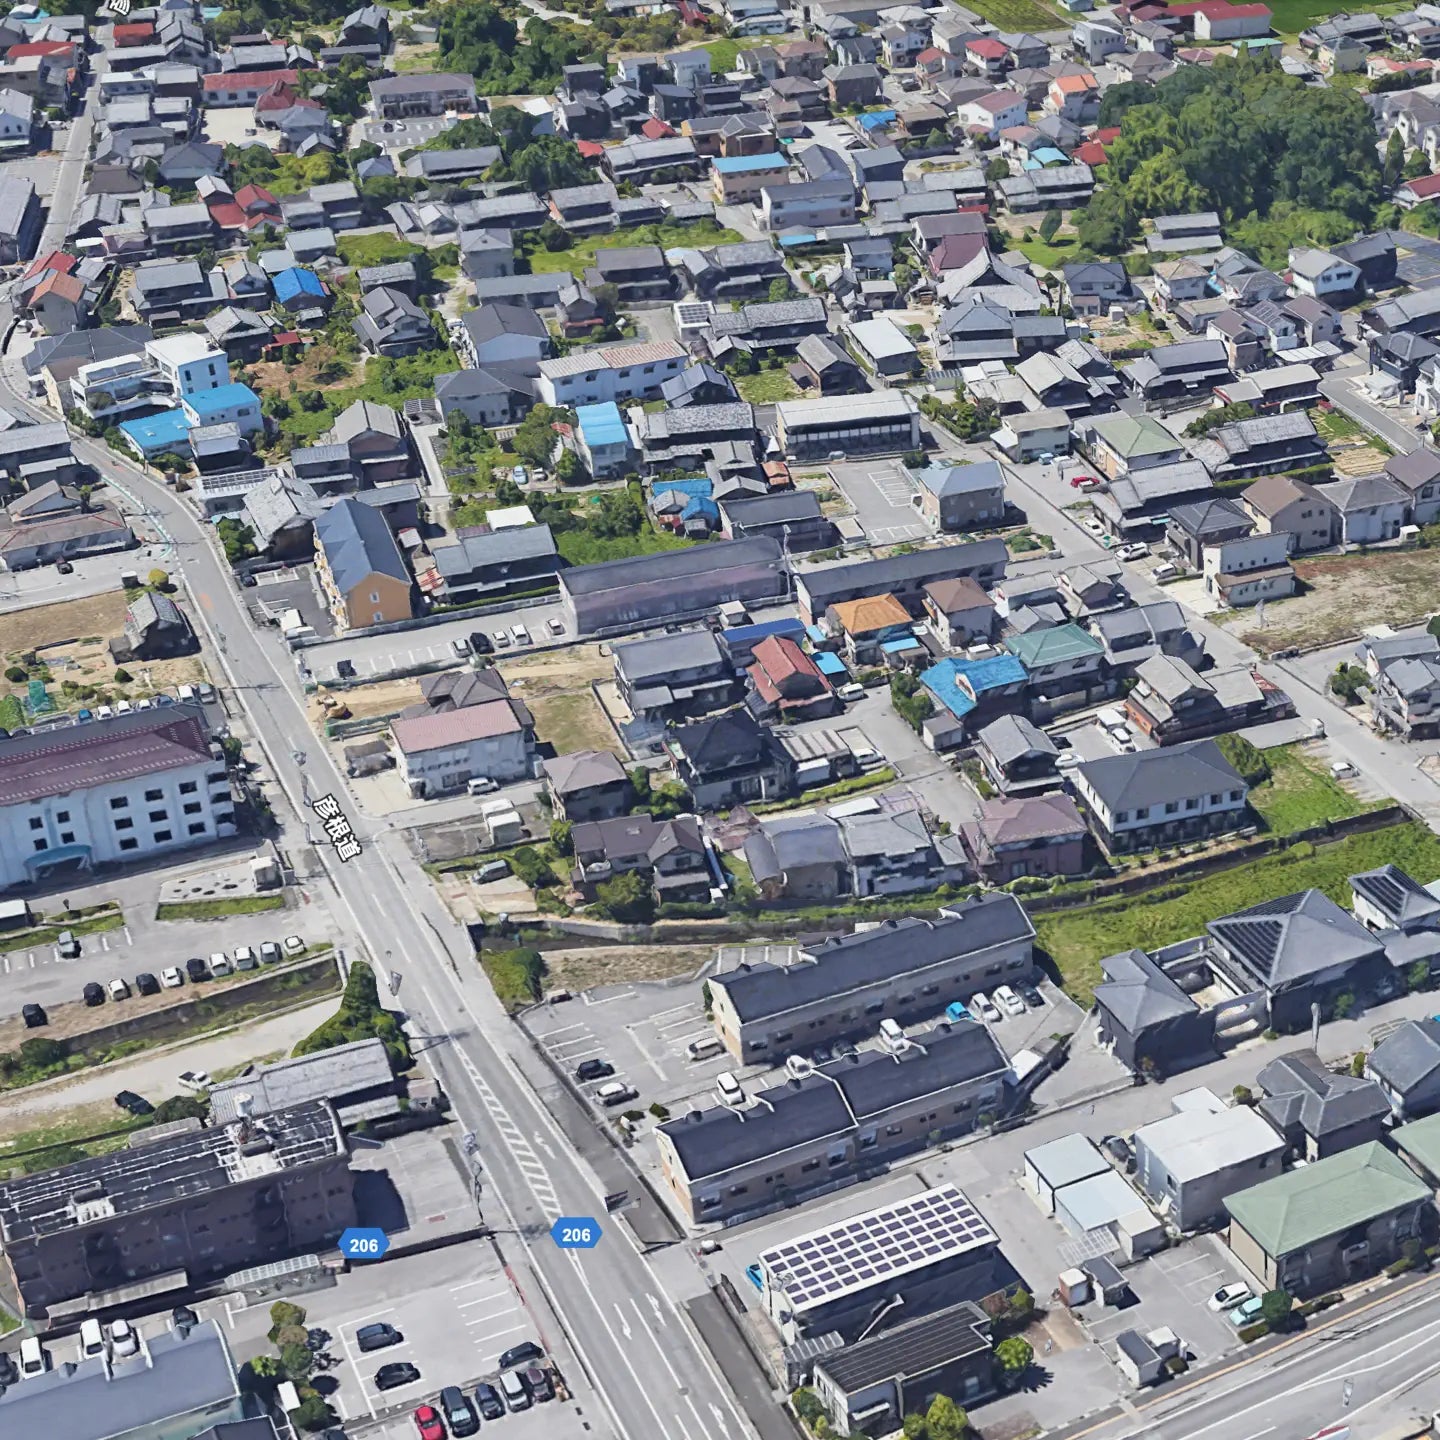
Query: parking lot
point(882, 494)
point(402, 134)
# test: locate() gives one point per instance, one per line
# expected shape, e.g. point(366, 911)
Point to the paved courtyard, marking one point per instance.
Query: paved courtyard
point(882, 494)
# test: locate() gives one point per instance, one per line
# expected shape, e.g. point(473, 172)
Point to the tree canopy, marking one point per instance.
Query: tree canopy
point(1243, 139)
point(540, 162)
point(478, 39)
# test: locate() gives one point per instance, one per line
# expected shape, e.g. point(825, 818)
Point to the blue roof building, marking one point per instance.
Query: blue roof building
point(876, 119)
point(749, 164)
point(603, 439)
point(233, 402)
point(156, 434)
point(298, 286)
point(829, 664)
point(959, 684)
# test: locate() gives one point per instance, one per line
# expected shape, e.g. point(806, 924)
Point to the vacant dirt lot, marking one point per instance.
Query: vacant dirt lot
point(88, 665)
point(93, 616)
point(556, 686)
point(584, 969)
point(1344, 595)
point(386, 697)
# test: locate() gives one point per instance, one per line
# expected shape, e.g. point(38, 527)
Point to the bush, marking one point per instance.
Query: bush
point(627, 899)
point(181, 1107)
point(292, 1335)
point(40, 1054)
point(1275, 1308)
point(296, 1361)
point(283, 1313)
point(1319, 1303)
point(123, 676)
point(807, 1405)
point(313, 1413)
point(360, 1017)
point(1253, 1332)
point(1251, 764)
point(560, 837)
point(532, 867)
point(516, 975)
point(1399, 1267)
point(158, 580)
point(16, 674)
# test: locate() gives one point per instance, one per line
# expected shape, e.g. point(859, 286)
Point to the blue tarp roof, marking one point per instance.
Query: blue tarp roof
point(874, 119)
point(747, 164)
point(943, 680)
point(894, 647)
point(602, 424)
point(806, 238)
point(697, 487)
point(699, 508)
point(754, 634)
point(298, 281)
point(155, 432)
point(827, 662)
point(222, 397)
point(1046, 155)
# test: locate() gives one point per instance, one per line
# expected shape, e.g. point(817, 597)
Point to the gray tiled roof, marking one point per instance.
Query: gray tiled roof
point(358, 543)
point(1156, 777)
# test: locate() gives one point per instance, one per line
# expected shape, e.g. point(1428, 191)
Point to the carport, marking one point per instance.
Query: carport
point(1052, 1167)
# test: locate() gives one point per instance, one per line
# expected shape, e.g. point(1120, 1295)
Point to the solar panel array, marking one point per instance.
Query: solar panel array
point(861, 1251)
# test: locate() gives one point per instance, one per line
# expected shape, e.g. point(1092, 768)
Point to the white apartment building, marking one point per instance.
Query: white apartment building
point(611, 372)
point(109, 791)
point(189, 362)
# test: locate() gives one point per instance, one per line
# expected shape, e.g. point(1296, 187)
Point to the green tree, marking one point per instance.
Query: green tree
point(779, 288)
point(360, 1017)
point(180, 1107)
point(911, 700)
point(560, 836)
point(158, 580)
point(1394, 159)
point(996, 171)
point(913, 1427)
point(1049, 224)
point(1013, 1357)
point(1120, 98)
point(555, 237)
point(626, 898)
point(283, 1313)
point(1217, 416)
point(945, 1420)
point(296, 1361)
point(266, 1367)
point(1417, 977)
point(1276, 1307)
point(40, 1053)
point(123, 676)
point(1347, 682)
point(569, 469)
point(313, 1413)
point(807, 1405)
point(1416, 166)
point(534, 440)
point(237, 539)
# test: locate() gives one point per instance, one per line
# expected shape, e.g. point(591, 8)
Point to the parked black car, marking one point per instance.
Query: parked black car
point(400, 1372)
point(593, 1069)
point(94, 994)
point(491, 1406)
point(195, 969)
point(377, 1336)
point(519, 1354)
point(481, 643)
point(147, 984)
point(34, 1016)
point(135, 1104)
point(537, 1382)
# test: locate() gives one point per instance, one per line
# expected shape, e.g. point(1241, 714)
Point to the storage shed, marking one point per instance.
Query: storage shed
point(1049, 1168)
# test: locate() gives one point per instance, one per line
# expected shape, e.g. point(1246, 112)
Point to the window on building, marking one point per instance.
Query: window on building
point(62, 817)
point(159, 817)
point(162, 837)
point(188, 787)
point(42, 845)
point(37, 822)
point(154, 794)
point(193, 808)
point(1171, 807)
point(67, 837)
point(130, 844)
point(119, 802)
point(126, 824)
point(1192, 803)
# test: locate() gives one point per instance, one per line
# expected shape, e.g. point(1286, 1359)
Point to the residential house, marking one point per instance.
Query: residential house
point(807, 204)
point(1332, 1222)
point(390, 323)
point(1018, 756)
point(1417, 473)
point(671, 854)
point(1371, 508)
point(1034, 835)
point(1095, 285)
point(629, 371)
point(1193, 528)
point(1147, 1020)
point(672, 676)
point(852, 85)
point(400, 97)
point(885, 349)
point(1169, 372)
point(904, 576)
point(799, 857)
point(504, 561)
point(1173, 703)
point(1190, 1161)
point(786, 683)
point(729, 760)
point(588, 785)
point(1321, 274)
point(794, 517)
point(20, 219)
point(361, 570)
point(1161, 797)
point(852, 424)
point(895, 854)
point(1280, 503)
point(1263, 445)
point(438, 754)
point(826, 366)
point(958, 611)
point(638, 272)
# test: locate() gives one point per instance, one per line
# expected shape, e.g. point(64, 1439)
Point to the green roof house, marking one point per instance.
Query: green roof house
point(1329, 1222)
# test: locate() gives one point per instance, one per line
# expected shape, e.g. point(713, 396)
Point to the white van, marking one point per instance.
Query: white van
point(1166, 571)
point(92, 1339)
point(220, 964)
point(515, 1391)
point(703, 1048)
point(481, 785)
point(1110, 718)
point(245, 958)
point(520, 634)
point(34, 1358)
point(853, 691)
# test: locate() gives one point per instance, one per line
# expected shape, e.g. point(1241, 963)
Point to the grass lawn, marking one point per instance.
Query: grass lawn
point(7, 1321)
point(579, 547)
point(216, 909)
point(582, 252)
point(1301, 792)
point(1077, 939)
point(78, 924)
point(1017, 16)
point(765, 387)
point(374, 249)
point(1048, 257)
point(1335, 425)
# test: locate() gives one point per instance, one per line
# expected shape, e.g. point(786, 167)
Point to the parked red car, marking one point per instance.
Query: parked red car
point(1083, 482)
point(429, 1424)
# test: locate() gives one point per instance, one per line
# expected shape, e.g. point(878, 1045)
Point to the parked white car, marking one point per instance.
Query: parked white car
point(171, 977)
point(1009, 1001)
point(1227, 1297)
point(982, 1005)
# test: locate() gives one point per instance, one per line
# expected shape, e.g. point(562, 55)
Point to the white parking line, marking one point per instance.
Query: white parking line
point(491, 1335)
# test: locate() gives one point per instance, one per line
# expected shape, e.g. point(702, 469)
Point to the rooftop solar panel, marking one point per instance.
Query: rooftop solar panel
point(866, 1249)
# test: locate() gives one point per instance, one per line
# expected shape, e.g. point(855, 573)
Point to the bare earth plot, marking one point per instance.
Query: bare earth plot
point(1344, 595)
point(386, 697)
point(555, 684)
point(88, 617)
point(597, 965)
